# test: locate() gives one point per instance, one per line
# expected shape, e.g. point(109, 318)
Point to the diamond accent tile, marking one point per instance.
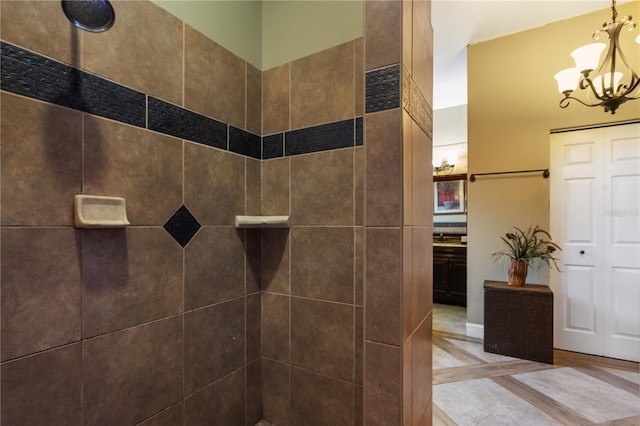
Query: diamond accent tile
point(182, 226)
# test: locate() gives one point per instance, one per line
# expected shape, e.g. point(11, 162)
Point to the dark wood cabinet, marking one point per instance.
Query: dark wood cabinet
point(450, 275)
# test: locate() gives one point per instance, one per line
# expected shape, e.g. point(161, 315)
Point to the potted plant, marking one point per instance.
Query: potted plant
point(526, 248)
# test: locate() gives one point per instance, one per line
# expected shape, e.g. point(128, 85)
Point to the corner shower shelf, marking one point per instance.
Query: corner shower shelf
point(262, 222)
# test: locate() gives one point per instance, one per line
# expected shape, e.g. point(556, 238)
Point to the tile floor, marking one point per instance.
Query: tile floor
point(472, 387)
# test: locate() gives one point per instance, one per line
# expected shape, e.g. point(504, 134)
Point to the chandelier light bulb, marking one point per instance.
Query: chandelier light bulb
point(567, 80)
point(604, 86)
point(587, 57)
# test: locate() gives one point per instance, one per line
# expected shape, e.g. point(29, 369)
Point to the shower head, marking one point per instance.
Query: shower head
point(94, 16)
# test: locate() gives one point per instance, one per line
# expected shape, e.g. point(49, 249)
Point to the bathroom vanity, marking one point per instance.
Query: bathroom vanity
point(449, 271)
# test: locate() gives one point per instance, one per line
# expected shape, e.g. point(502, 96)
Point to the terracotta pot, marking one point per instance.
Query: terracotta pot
point(518, 272)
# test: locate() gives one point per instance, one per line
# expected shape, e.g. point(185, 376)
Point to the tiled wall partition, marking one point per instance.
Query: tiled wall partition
point(181, 318)
point(398, 222)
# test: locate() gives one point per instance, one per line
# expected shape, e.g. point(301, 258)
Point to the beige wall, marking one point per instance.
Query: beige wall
point(271, 33)
point(513, 104)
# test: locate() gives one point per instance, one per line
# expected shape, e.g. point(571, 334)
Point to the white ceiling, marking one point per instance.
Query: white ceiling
point(458, 23)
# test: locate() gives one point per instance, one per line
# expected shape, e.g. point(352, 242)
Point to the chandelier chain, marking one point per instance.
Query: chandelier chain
point(613, 10)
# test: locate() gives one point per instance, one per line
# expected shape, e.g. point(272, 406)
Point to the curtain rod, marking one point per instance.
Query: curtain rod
point(545, 173)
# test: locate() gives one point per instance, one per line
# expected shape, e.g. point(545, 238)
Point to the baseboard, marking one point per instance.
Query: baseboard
point(475, 330)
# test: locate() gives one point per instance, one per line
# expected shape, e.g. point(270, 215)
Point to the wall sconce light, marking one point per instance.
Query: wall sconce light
point(614, 82)
point(443, 165)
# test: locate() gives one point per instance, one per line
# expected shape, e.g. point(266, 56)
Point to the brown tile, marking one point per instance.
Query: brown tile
point(41, 160)
point(214, 343)
point(422, 296)
point(276, 186)
point(254, 393)
point(322, 337)
point(382, 385)
point(39, 266)
point(275, 101)
point(358, 363)
point(131, 374)
point(422, 177)
point(275, 260)
point(276, 392)
point(359, 275)
point(384, 285)
point(406, 383)
point(172, 416)
point(254, 100)
point(359, 77)
point(407, 33)
point(383, 33)
point(421, 369)
point(214, 82)
point(322, 87)
point(358, 409)
point(143, 167)
point(322, 188)
point(150, 61)
point(358, 185)
point(319, 401)
point(408, 190)
point(422, 70)
point(43, 389)
point(214, 266)
point(254, 190)
point(383, 182)
point(253, 327)
point(221, 403)
point(130, 277)
point(408, 284)
point(322, 263)
point(275, 326)
point(253, 260)
point(214, 184)
point(53, 36)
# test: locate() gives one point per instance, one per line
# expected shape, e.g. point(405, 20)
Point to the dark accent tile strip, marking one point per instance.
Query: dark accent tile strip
point(179, 122)
point(320, 138)
point(273, 146)
point(244, 143)
point(29, 74)
point(359, 132)
point(383, 88)
point(182, 226)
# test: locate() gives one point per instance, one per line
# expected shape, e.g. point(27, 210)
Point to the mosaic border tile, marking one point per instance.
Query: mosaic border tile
point(383, 89)
point(245, 143)
point(325, 137)
point(29, 74)
point(175, 121)
point(273, 146)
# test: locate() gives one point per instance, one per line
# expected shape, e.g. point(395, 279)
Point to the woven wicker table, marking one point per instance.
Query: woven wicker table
point(518, 321)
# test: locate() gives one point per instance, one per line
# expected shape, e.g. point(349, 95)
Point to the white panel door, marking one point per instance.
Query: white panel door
point(576, 215)
point(595, 218)
point(621, 224)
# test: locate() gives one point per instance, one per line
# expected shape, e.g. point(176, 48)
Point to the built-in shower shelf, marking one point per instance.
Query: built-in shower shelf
point(262, 222)
point(95, 211)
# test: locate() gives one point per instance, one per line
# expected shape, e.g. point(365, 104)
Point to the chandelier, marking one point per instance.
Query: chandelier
point(613, 82)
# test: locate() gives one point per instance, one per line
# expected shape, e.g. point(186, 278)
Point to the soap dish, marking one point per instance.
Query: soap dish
point(95, 211)
point(262, 221)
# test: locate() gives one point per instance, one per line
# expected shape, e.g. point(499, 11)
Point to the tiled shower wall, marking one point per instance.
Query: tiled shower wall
point(312, 274)
point(158, 323)
point(398, 220)
point(165, 322)
point(161, 323)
